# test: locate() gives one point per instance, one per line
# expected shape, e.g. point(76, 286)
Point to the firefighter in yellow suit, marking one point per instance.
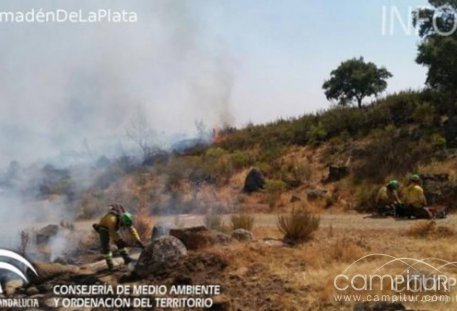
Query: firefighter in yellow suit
point(414, 197)
point(108, 228)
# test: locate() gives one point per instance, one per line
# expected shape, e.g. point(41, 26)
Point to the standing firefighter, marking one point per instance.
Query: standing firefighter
point(116, 219)
point(387, 199)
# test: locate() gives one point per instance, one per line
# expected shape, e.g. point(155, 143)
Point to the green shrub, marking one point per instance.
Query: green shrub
point(264, 167)
point(438, 142)
point(241, 159)
point(242, 221)
point(294, 173)
point(274, 188)
point(366, 198)
point(392, 151)
point(297, 226)
point(215, 152)
point(423, 114)
point(317, 133)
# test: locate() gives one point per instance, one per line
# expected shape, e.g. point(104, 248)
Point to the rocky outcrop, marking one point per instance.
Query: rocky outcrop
point(255, 181)
point(161, 253)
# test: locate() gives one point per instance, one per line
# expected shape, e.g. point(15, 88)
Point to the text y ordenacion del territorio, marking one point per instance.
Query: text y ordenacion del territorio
point(42, 16)
point(135, 296)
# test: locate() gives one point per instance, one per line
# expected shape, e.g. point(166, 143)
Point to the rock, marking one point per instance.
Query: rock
point(242, 235)
point(161, 252)
point(316, 194)
point(199, 237)
point(379, 306)
point(160, 230)
point(48, 271)
point(336, 172)
point(46, 233)
point(32, 291)
point(221, 303)
point(255, 181)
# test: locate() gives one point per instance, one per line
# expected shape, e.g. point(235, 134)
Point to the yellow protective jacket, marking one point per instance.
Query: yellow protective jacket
point(386, 196)
point(414, 195)
point(111, 223)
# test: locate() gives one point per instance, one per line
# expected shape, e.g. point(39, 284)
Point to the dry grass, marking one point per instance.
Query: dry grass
point(346, 250)
point(439, 167)
point(298, 226)
point(242, 221)
point(429, 229)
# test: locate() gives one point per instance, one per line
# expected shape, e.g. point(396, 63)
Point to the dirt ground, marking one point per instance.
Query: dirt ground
point(265, 274)
point(342, 221)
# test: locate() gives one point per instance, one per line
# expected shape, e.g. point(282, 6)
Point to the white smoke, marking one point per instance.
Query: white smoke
point(68, 86)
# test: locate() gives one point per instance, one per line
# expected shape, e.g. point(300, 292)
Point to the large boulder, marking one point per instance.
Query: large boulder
point(46, 233)
point(199, 237)
point(161, 253)
point(255, 181)
point(160, 230)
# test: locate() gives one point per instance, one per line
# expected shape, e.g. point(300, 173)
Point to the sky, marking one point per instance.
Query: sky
point(67, 89)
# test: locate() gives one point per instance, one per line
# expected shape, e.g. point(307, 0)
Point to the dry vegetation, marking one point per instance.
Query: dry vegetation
point(429, 229)
point(298, 226)
point(301, 277)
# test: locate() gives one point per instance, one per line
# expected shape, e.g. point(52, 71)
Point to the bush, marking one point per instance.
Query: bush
point(316, 134)
point(242, 221)
point(423, 114)
point(215, 152)
point(274, 188)
point(366, 198)
point(437, 141)
point(295, 173)
point(298, 226)
point(241, 159)
point(392, 151)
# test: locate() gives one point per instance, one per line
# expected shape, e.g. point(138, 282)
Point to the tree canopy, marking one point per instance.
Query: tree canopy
point(437, 27)
point(354, 80)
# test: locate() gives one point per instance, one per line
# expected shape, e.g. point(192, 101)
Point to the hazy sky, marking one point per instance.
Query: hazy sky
point(67, 86)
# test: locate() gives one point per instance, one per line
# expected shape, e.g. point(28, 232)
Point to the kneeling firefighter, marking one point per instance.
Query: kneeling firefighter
point(108, 229)
point(387, 199)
